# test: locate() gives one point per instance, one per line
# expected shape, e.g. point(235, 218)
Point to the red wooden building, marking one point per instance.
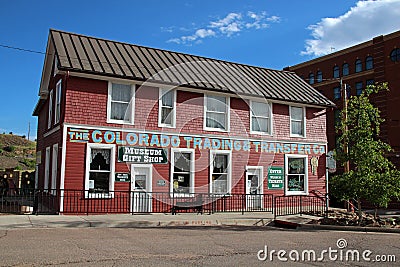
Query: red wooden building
point(117, 118)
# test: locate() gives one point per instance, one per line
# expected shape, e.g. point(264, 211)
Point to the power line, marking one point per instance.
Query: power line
point(22, 49)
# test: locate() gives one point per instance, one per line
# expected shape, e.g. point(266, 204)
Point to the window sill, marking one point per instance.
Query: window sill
point(120, 122)
point(261, 133)
point(215, 130)
point(295, 193)
point(298, 136)
point(166, 126)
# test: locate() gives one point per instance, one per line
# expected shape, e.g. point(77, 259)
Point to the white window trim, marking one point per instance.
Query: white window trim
point(161, 92)
point(131, 105)
point(229, 172)
point(54, 169)
point(227, 114)
point(296, 193)
point(50, 114)
point(270, 118)
point(89, 148)
point(304, 122)
point(46, 170)
point(192, 171)
point(261, 177)
point(57, 106)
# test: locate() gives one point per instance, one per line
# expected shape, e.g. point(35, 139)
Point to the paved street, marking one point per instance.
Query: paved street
point(186, 246)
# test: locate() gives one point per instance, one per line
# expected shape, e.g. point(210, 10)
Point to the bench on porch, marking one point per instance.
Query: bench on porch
point(189, 203)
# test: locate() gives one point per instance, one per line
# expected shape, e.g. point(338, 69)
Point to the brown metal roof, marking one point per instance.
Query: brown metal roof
point(91, 55)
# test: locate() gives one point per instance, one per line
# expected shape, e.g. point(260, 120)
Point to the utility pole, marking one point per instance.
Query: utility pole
point(29, 129)
point(343, 87)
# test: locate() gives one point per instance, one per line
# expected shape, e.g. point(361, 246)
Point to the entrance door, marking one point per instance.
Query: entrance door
point(254, 187)
point(141, 186)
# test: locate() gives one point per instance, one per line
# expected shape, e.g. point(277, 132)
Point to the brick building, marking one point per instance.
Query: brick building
point(116, 118)
point(374, 61)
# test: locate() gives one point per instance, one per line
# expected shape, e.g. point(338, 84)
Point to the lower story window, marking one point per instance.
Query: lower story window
point(296, 174)
point(182, 170)
point(100, 170)
point(220, 166)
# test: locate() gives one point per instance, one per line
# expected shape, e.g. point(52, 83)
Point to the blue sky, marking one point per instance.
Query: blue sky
point(268, 33)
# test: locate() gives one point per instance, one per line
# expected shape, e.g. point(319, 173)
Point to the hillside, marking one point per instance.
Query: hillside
point(17, 152)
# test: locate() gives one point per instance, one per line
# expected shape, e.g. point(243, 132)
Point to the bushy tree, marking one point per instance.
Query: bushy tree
point(371, 176)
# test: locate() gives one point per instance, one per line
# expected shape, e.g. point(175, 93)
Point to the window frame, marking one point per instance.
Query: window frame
point(358, 66)
point(227, 114)
point(131, 104)
point(50, 113)
point(270, 119)
point(369, 63)
point(337, 94)
point(54, 169)
point(336, 71)
point(191, 172)
point(160, 106)
point(57, 106)
point(319, 76)
point(89, 148)
point(395, 55)
point(228, 173)
point(47, 167)
point(311, 78)
point(359, 90)
point(296, 193)
point(303, 124)
point(346, 67)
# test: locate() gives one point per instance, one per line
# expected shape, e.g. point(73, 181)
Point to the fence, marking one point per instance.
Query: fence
point(291, 205)
point(85, 202)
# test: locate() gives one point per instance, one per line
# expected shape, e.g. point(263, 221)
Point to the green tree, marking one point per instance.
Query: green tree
point(372, 176)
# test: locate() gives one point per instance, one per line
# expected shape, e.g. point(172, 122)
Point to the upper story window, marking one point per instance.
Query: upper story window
point(370, 82)
point(336, 93)
point(260, 121)
point(337, 117)
point(345, 69)
point(336, 73)
point(166, 116)
point(395, 55)
point(100, 168)
point(369, 63)
point(358, 65)
point(121, 99)
point(216, 113)
point(50, 115)
point(297, 121)
point(359, 88)
point(311, 78)
point(57, 112)
point(319, 76)
point(220, 168)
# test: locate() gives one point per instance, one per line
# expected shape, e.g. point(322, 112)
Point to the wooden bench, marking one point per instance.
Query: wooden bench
point(189, 204)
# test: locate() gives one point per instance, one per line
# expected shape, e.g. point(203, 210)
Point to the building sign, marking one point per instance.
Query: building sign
point(159, 140)
point(122, 177)
point(161, 183)
point(142, 155)
point(275, 178)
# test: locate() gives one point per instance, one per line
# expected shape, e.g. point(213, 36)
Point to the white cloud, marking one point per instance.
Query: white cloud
point(361, 23)
point(231, 24)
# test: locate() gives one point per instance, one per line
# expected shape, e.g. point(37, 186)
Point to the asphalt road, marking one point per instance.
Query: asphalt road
point(195, 246)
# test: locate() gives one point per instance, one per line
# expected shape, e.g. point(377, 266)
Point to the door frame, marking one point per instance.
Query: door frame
point(260, 170)
point(149, 183)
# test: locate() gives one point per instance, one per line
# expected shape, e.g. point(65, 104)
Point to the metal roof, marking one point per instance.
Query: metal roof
point(84, 54)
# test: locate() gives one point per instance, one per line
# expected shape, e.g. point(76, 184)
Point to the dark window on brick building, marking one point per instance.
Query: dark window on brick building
point(345, 69)
point(369, 63)
point(359, 88)
point(311, 78)
point(395, 55)
point(336, 93)
point(336, 72)
point(358, 65)
point(319, 76)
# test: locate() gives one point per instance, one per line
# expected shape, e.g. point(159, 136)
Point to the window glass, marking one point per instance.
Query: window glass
point(121, 95)
point(297, 121)
point(167, 107)
point(336, 72)
point(395, 55)
point(58, 102)
point(50, 113)
point(359, 88)
point(345, 69)
point(182, 172)
point(260, 117)
point(358, 65)
point(369, 63)
point(336, 93)
point(99, 173)
point(296, 174)
point(319, 76)
point(216, 112)
point(311, 78)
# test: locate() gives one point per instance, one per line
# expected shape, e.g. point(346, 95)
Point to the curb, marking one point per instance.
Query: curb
point(348, 228)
